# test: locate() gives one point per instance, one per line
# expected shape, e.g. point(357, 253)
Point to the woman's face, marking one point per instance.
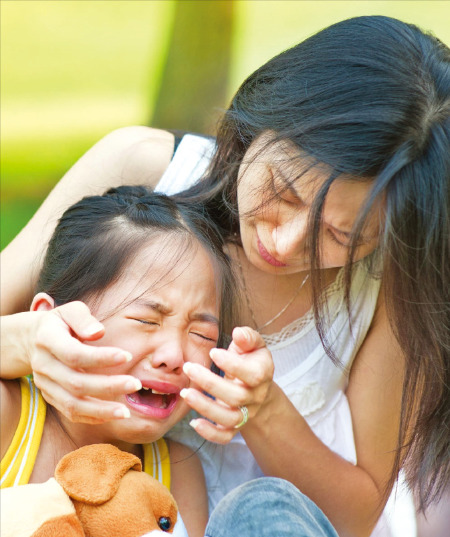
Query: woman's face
point(165, 317)
point(275, 194)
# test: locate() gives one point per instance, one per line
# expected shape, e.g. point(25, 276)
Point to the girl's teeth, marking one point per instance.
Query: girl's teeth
point(153, 391)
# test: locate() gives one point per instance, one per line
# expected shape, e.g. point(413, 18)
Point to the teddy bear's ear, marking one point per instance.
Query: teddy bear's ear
point(92, 473)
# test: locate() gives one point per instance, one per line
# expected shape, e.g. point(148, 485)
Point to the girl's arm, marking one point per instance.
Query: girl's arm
point(188, 488)
point(352, 496)
point(131, 155)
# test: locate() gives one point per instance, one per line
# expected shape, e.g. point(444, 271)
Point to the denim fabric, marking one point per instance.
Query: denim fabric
point(268, 507)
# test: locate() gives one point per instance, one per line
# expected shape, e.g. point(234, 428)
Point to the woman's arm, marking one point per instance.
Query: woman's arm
point(49, 344)
point(131, 155)
point(352, 496)
point(188, 488)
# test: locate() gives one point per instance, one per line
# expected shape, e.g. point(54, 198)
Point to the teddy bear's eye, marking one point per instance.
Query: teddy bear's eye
point(164, 523)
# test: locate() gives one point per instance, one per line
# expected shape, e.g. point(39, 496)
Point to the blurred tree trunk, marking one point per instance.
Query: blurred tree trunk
point(193, 89)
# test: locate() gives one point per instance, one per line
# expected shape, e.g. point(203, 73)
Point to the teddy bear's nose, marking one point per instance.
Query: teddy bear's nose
point(164, 523)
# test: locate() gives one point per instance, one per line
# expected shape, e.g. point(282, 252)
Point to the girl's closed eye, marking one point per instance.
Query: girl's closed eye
point(203, 336)
point(207, 333)
point(145, 321)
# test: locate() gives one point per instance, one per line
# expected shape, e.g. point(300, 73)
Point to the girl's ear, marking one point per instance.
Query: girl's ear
point(42, 302)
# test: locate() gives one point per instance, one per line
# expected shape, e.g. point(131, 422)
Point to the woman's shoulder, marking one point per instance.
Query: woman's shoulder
point(191, 159)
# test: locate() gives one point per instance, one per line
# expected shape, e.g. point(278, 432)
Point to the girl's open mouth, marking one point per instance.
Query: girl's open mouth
point(152, 402)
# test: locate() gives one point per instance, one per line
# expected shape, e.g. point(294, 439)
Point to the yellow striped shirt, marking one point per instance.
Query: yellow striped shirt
point(18, 462)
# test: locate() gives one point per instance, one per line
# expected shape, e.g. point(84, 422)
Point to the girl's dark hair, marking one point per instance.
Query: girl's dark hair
point(369, 97)
point(97, 238)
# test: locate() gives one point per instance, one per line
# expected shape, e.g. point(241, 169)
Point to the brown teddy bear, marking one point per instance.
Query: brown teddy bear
point(98, 491)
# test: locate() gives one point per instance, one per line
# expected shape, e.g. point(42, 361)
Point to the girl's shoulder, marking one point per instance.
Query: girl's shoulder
point(10, 401)
point(185, 465)
point(188, 487)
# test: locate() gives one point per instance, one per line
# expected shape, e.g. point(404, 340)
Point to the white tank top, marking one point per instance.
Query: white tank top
point(303, 370)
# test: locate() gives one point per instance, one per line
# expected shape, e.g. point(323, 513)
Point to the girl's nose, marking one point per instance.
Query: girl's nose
point(289, 237)
point(169, 355)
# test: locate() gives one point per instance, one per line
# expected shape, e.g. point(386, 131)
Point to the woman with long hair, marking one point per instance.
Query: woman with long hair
point(329, 179)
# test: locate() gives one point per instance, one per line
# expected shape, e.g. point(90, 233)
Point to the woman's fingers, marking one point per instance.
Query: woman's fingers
point(253, 369)
point(214, 410)
point(55, 337)
point(248, 368)
point(80, 409)
point(62, 365)
point(245, 339)
point(78, 316)
point(231, 392)
point(80, 383)
point(211, 432)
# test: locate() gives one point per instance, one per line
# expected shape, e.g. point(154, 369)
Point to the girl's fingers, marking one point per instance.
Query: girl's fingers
point(215, 411)
point(81, 410)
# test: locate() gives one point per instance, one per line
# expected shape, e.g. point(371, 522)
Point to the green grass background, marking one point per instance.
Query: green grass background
point(73, 70)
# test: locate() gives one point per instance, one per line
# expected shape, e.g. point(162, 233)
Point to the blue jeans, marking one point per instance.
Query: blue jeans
point(268, 507)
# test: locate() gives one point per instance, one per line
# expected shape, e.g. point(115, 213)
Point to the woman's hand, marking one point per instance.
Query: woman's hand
point(60, 362)
point(248, 368)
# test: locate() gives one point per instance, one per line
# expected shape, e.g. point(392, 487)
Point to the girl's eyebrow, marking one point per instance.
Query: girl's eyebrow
point(205, 318)
point(153, 305)
point(165, 310)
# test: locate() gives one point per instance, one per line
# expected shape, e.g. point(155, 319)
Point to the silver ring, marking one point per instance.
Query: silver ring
point(244, 411)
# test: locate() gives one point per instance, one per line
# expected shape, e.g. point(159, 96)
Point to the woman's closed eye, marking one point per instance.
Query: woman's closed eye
point(346, 241)
point(281, 191)
point(337, 241)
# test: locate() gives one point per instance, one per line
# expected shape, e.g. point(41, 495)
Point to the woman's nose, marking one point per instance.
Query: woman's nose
point(289, 237)
point(169, 354)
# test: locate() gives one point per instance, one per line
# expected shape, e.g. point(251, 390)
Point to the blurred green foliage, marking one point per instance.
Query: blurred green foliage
point(71, 71)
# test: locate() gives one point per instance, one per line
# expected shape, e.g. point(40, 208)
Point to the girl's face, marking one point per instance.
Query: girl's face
point(274, 211)
point(165, 314)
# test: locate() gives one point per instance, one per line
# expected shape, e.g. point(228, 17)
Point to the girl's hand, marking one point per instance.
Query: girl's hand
point(248, 368)
point(60, 362)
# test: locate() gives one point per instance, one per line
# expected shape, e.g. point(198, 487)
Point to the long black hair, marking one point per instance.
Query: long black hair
point(97, 238)
point(369, 97)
